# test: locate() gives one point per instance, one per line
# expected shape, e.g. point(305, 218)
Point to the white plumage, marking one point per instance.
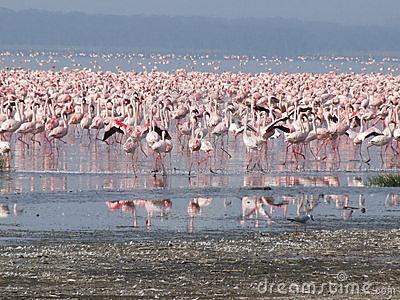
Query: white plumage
point(4, 147)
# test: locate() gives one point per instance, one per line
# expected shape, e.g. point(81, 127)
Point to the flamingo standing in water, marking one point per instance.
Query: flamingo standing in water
point(27, 127)
point(160, 147)
point(298, 136)
point(77, 116)
point(97, 122)
point(87, 119)
point(60, 131)
point(194, 145)
point(207, 148)
point(12, 124)
point(194, 100)
point(383, 139)
point(5, 149)
point(252, 143)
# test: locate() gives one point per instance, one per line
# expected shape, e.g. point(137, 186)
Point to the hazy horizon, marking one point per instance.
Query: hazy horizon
point(356, 12)
point(267, 36)
point(290, 27)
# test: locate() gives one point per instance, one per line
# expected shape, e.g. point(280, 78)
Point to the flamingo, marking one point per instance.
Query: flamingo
point(27, 127)
point(5, 147)
point(381, 139)
point(77, 116)
point(97, 122)
point(152, 136)
point(12, 124)
point(251, 143)
point(87, 119)
point(60, 131)
point(297, 137)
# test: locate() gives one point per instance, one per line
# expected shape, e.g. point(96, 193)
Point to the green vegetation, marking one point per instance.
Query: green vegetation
point(385, 180)
point(2, 164)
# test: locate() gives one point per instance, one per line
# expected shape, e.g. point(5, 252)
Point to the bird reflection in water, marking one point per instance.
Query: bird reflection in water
point(156, 182)
point(160, 207)
point(254, 208)
point(392, 200)
point(355, 181)
point(54, 183)
point(5, 210)
point(275, 206)
point(292, 180)
point(343, 203)
point(194, 209)
point(348, 210)
point(207, 180)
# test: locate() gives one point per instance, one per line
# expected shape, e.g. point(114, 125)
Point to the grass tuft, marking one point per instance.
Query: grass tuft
point(386, 180)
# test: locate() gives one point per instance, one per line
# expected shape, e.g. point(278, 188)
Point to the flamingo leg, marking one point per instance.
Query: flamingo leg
point(369, 156)
point(164, 172)
point(23, 142)
point(34, 140)
point(230, 156)
point(250, 160)
point(286, 153)
point(190, 164)
point(141, 149)
point(394, 148)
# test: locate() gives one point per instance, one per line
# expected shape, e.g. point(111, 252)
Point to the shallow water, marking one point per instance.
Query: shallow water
point(139, 62)
point(182, 211)
point(78, 188)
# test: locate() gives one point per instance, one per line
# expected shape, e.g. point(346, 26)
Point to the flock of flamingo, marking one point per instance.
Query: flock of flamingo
point(198, 113)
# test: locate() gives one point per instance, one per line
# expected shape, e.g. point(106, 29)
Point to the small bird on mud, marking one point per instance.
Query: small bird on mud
point(301, 219)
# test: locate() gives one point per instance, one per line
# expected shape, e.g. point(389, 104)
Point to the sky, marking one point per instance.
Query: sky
point(370, 12)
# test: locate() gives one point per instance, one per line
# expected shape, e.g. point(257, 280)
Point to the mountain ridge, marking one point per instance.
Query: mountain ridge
point(266, 36)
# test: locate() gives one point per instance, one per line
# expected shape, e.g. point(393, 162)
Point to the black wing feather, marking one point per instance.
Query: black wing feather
point(282, 128)
point(159, 132)
point(110, 132)
point(261, 108)
point(373, 134)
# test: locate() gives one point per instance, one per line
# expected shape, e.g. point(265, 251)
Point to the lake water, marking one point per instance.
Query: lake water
point(98, 187)
point(139, 62)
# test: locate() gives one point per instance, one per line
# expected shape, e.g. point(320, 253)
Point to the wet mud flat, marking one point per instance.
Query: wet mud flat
point(230, 264)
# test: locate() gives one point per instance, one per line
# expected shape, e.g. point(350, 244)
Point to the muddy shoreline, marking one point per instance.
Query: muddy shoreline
point(233, 264)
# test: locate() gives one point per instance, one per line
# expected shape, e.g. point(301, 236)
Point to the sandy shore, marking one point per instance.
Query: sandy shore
point(338, 264)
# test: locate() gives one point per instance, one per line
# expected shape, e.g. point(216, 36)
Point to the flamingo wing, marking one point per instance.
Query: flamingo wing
point(282, 128)
point(110, 132)
point(159, 131)
point(372, 132)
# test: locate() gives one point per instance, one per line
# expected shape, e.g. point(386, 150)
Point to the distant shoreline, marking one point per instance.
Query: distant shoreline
point(39, 29)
